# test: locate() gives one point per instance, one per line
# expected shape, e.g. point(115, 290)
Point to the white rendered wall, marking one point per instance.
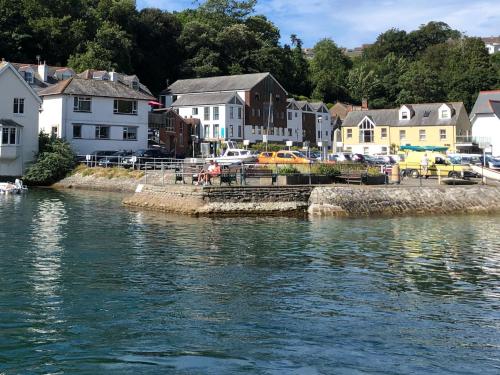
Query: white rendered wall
point(101, 114)
point(487, 126)
point(12, 87)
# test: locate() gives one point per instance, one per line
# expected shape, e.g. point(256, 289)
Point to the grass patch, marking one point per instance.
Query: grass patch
point(109, 173)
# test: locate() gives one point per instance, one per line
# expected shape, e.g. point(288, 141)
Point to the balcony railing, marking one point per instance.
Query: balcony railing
point(159, 121)
point(469, 139)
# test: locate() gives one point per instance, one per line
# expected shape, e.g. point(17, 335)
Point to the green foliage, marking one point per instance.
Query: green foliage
point(329, 69)
point(326, 169)
point(373, 171)
point(288, 169)
point(54, 161)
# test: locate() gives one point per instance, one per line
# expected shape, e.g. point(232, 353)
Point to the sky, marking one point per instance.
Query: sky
point(353, 23)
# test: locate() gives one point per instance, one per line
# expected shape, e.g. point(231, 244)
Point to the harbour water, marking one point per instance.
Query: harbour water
point(90, 287)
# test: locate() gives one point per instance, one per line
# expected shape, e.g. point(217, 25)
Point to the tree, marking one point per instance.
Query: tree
point(364, 83)
point(419, 84)
point(329, 69)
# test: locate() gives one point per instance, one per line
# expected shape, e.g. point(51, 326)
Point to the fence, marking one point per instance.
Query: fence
point(164, 171)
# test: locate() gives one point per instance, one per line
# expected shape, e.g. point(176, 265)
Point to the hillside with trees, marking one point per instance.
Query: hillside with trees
point(220, 37)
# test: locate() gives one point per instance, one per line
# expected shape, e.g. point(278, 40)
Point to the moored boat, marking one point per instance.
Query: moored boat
point(12, 188)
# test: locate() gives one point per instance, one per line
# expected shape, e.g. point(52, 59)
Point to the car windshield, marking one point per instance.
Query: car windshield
point(299, 154)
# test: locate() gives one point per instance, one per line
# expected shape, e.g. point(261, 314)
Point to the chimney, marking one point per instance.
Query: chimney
point(364, 104)
point(43, 71)
point(113, 76)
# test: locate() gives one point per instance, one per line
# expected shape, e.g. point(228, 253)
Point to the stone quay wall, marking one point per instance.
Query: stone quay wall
point(402, 201)
point(223, 201)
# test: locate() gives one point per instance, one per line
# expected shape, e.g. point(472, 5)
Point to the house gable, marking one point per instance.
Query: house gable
point(8, 66)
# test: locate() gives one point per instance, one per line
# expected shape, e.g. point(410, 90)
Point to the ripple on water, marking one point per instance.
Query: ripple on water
point(87, 286)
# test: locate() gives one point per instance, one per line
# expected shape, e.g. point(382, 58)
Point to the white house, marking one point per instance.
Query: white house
point(294, 121)
point(19, 106)
point(97, 113)
point(220, 114)
point(492, 44)
point(485, 120)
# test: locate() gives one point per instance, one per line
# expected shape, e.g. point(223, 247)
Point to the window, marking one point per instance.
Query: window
point(181, 134)
point(402, 135)
point(231, 113)
point(9, 136)
point(194, 111)
point(239, 131)
point(366, 130)
point(349, 133)
point(53, 131)
point(135, 85)
point(289, 116)
point(383, 133)
point(239, 113)
point(445, 113)
point(289, 132)
point(421, 135)
point(216, 113)
point(216, 131)
point(259, 130)
point(206, 113)
point(319, 134)
point(129, 133)
point(296, 114)
point(82, 104)
point(278, 97)
point(102, 132)
point(253, 129)
point(125, 107)
point(442, 134)
point(404, 115)
point(19, 105)
point(384, 150)
point(258, 112)
point(77, 131)
point(28, 76)
point(230, 130)
point(427, 113)
point(206, 131)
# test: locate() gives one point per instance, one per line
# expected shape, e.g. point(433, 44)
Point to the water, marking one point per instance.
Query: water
point(90, 287)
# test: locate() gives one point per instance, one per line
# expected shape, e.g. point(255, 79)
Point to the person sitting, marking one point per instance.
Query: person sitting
point(202, 174)
point(213, 170)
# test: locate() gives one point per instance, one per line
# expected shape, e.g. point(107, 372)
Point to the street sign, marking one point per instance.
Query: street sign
point(289, 143)
point(264, 138)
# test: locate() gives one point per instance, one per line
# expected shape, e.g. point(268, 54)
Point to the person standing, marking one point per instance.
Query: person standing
point(424, 164)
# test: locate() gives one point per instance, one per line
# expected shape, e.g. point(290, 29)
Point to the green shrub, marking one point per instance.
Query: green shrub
point(288, 169)
point(54, 161)
point(327, 170)
point(373, 171)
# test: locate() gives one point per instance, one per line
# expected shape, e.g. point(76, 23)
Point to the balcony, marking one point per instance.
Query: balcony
point(160, 121)
point(469, 140)
point(10, 152)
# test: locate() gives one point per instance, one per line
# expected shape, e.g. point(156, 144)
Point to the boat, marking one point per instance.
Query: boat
point(234, 155)
point(457, 181)
point(13, 188)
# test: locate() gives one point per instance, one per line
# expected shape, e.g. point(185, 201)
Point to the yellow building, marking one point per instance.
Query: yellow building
point(432, 124)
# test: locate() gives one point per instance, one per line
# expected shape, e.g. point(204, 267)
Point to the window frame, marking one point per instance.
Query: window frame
point(128, 135)
point(82, 99)
point(116, 107)
point(215, 111)
point(98, 131)
point(18, 106)
point(10, 135)
point(77, 126)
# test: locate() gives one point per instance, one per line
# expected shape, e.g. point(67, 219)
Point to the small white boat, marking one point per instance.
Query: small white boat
point(13, 188)
point(234, 155)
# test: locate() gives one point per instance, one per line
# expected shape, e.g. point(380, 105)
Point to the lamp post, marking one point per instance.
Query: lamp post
point(320, 142)
point(194, 138)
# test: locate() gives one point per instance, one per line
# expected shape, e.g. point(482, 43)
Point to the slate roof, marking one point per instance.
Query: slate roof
point(92, 87)
point(390, 117)
point(204, 99)
point(491, 39)
point(317, 105)
point(482, 104)
point(239, 82)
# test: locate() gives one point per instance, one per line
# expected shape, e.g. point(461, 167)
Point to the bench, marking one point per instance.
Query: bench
point(260, 173)
point(228, 175)
point(187, 171)
point(351, 177)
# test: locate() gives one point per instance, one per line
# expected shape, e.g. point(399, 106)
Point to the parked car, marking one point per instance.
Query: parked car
point(283, 157)
point(491, 162)
point(141, 157)
point(343, 156)
point(114, 159)
point(358, 158)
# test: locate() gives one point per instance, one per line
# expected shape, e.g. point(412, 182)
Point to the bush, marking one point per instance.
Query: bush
point(327, 170)
point(288, 169)
point(54, 161)
point(374, 171)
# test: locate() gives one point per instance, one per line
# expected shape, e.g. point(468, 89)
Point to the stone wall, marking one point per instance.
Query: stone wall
point(393, 201)
point(223, 201)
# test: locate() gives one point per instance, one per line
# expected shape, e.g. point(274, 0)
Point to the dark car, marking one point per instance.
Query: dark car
point(141, 157)
point(114, 159)
point(358, 158)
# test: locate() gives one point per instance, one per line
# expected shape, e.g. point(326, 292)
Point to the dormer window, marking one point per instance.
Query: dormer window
point(135, 85)
point(445, 113)
point(28, 76)
point(404, 115)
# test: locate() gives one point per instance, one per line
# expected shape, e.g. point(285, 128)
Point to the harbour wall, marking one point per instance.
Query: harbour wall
point(344, 201)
